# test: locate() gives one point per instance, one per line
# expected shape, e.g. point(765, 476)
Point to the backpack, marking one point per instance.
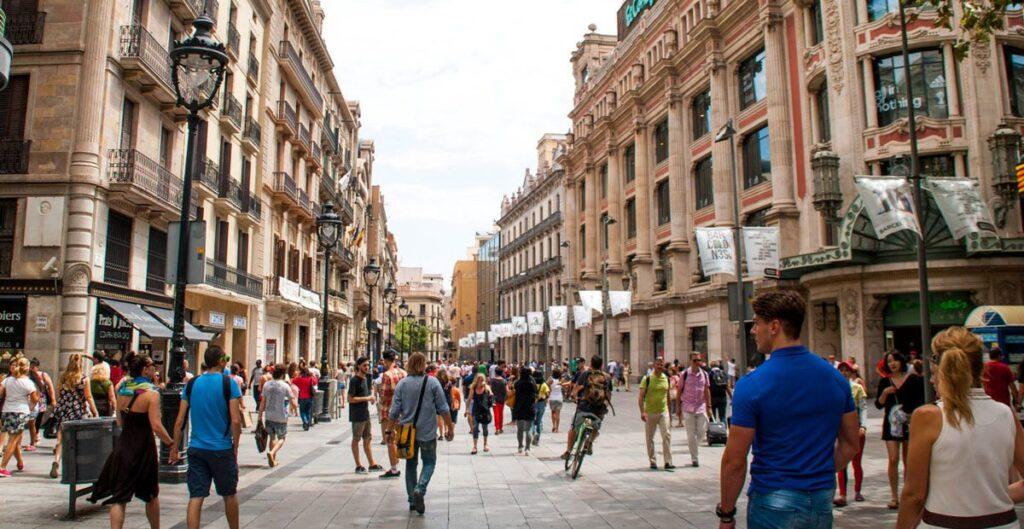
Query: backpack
point(719, 379)
point(596, 391)
point(225, 387)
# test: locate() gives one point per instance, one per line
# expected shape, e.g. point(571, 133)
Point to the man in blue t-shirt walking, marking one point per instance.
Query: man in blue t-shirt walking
point(792, 410)
point(212, 404)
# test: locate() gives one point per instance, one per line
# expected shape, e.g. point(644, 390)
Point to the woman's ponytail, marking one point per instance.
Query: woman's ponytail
point(960, 369)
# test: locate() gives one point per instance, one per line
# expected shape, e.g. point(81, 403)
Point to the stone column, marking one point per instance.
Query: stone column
point(679, 196)
point(869, 92)
point(642, 261)
point(84, 173)
point(615, 210)
point(571, 226)
point(721, 168)
point(639, 344)
point(592, 270)
point(779, 125)
point(952, 88)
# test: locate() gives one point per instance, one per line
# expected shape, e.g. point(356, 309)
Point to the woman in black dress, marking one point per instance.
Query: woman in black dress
point(900, 386)
point(523, 410)
point(131, 469)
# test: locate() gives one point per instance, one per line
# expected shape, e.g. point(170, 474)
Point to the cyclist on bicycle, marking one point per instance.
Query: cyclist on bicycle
point(592, 391)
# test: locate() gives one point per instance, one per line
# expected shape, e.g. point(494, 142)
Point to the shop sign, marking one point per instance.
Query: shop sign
point(630, 12)
point(216, 319)
point(238, 322)
point(42, 323)
point(12, 323)
point(111, 328)
point(945, 308)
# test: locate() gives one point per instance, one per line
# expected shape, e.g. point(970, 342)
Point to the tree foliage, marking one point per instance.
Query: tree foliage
point(976, 21)
point(410, 336)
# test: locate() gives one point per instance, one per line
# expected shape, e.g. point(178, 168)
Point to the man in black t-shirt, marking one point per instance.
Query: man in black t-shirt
point(359, 399)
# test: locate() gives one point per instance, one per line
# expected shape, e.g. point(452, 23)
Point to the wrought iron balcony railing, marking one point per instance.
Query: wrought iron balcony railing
point(231, 190)
point(232, 110)
point(142, 177)
point(253, 133)
point(230, 278)
point(251, 205)
point(551, 221)
point(234, 44)
point(14, 156)
point(253, 73)
point(140, 49)
point(25, 28)
point(285, 184)
point(287, 117)
point(290, 56)
point(208, 174)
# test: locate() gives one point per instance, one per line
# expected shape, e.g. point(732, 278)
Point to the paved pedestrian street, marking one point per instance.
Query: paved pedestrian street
point(315, 486)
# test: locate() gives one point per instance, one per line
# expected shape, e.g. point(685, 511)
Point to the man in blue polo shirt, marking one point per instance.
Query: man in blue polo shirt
point(792, 410)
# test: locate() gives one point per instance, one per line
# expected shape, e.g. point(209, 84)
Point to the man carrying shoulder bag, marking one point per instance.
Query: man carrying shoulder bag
point(418, 400)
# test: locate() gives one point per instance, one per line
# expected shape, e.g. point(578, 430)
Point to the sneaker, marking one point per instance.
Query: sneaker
point(4, 473)
point(565, 455)
point(29, 448)
point(654, 466)
point(858, 497)
point(669, 467)
point(520, 451)
point(390, 474)
point(417, 499)
point(527, 453)
point(376, 468)
point(695, 464)
point(360, 470)
point(412, 507)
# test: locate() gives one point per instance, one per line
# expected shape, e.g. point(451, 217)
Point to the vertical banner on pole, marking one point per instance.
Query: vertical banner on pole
point(519, 327)
point(715, 248)
point(889, 204)
point(960, 203)
point(620, 301)
point(761, 249)
point(582, 316)
point(591, 299)
point(535, 322)
point(557, 316)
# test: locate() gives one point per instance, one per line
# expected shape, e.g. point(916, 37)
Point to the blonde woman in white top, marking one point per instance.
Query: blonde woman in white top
point(962, 450)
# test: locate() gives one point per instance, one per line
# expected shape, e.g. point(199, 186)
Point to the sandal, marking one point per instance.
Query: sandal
point(893, 505)
point(839, 502)
point(487, 449)
point(859, 497)
point(473, 453)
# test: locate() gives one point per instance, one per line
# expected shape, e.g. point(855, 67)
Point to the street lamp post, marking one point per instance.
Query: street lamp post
point(404, 313)
point(390, 295)
point(728, 133)
point(371, 274)
point(606, 309)
point(569, 323)
point(198, 63)
point(328, 227)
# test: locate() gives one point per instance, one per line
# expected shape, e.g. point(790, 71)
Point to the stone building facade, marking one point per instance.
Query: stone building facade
point(530, 267)
point(807, 84)
point(425, 296)
point(464, 313)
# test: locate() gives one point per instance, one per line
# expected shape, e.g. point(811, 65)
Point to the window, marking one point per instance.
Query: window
point(629, 162)
point(699, 340)
point(757, 162)
point(8, 220)
point(935, 165)
point(658, 343)
point(293, 264)
point(753, 80)
point(926, 71)
point(818, 27)
point(166, 147)
point(13, 107)
point(661, 141)
point(879, 8)
point(1015, 79)
point(583, 195)
point(663, 270)
point(662, 200)
point(604, 180)
point(757, 219)
point(128, 124)
point(243, 251)
point(604, 230)
point(423, 311)
point(824, 123)
point(704, 189)
point(631, 218)
point(700, 113)
point(156, 263)
point(583, 242)
point(119, 249)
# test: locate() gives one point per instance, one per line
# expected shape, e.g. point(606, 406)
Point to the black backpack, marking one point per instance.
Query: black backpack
point(719, 379)
point(225, 387)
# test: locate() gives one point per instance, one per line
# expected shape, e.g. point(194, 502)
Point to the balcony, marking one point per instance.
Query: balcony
point(284, 189)
point(551, 221)
point(231, 113)
point(14, 156)
point(301, 140)
point(286, 119)
point(143, 181)
point(328, 139)
point(146, 63)
point(252, 206)
point(304, 208)
point(292, 64)
point(252, 135)
point(229, 193)
point(220, 275)
point(315, 154)
point(25, 28)
point(344, 257)
point(346, 212)
point(208, 174)
point(189, 10)
point(234, 42)
point(253, 73)
point(550, 266)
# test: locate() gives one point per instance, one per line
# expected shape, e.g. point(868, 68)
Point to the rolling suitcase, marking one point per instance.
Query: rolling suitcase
point(718, 433)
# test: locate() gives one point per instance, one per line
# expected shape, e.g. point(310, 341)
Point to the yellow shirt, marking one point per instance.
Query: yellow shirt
point(543, 391)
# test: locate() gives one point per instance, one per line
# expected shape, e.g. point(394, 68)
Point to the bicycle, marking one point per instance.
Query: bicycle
point(582, 447)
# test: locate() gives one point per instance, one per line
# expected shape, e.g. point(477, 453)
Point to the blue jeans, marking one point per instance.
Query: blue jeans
point(790, 509)
point(538, 417)
point(306, 411)
point(426, 450)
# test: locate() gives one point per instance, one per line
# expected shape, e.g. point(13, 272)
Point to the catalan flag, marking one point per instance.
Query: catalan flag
point(1020, 178)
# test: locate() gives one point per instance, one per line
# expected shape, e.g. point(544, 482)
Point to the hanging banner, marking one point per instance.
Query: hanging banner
point(492, 337)
point(582, 316)
point(519, 327)
point(496, 330)
point(761, 250)
point(889, 204)
point(470, 340)
point(716, 251)
point(504, 330)
point(481, 338)
point(621, 301)
point(591, 299)
point(535, 322)
point(557, 316)
point(959, 200)
point(463, 343)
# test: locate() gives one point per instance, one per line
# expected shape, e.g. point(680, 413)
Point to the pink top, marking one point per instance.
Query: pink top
point(692, 387)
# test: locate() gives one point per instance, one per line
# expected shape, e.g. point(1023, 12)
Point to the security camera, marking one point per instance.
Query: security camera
point(51, 265)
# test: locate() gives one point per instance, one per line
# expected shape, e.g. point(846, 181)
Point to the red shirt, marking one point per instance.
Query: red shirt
point(998, 378)
point(116, 374)
point(305, 385)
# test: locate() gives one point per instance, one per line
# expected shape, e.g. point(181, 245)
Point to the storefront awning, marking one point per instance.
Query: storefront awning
point(191, 332)
point(139, 318)
point(995, 316)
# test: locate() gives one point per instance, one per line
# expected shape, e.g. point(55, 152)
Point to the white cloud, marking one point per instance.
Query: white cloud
point(456, 94)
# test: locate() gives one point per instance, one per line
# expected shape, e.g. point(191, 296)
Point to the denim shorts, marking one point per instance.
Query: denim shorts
point(790, 509)
point(217, 466)
point(277, 429)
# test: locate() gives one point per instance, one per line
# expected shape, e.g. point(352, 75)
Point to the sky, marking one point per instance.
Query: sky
point(455, 95)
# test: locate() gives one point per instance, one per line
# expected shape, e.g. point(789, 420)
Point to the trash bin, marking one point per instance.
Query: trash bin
point(330, 388)
point(86, 445)
point(318, 404)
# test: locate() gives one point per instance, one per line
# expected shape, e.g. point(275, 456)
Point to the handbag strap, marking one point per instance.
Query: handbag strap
point(419, 404)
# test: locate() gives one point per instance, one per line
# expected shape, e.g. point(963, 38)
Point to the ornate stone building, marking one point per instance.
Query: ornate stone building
point(815, 93)
point(425, 296)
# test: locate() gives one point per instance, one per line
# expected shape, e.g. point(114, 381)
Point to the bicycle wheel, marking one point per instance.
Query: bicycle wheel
point(572, 453)
point(580, 453)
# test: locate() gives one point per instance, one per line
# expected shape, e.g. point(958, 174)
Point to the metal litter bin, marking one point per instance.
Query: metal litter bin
point(318, 404)
point(86, 446)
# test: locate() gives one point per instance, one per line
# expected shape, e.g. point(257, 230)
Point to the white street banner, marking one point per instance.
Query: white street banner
point(492, 337)
point(481, 338)
point(558, 316)
point(591, 299)
point(506, 330)
point(621, 301)
point(535, 321)
point(715, 248)
point(582, 315)
point(496, 330)
point(889, 204)
point(519, 327)
point(761, 249)
point(462, 342)
point(959, 200)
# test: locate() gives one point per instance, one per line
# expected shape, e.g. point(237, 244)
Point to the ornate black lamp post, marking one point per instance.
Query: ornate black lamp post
point(328, 228)
point(390, 296)
point(404, 312)
point(198, 63)
point(371, 275)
